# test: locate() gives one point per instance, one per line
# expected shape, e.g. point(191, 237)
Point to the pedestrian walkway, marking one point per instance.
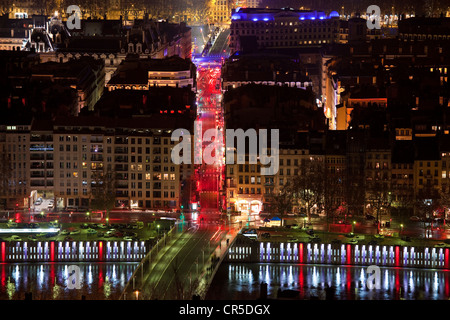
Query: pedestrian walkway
point(217, 257)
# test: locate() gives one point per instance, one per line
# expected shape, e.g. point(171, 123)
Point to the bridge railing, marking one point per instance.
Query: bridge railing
point(220, 253)
point(137, 278)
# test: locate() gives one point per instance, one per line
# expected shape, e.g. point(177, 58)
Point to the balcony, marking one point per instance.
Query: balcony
point(121, 167)
point(37, 157)
point(121, 176)
point(121, 159)
point(96, 157)
point(37, 165)
point(37, 183)
point(121, 150)
point(37, 175)
point(97, 139)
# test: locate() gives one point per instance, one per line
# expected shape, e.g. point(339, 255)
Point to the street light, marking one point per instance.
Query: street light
point(401, 229)
point(137, 294)
point(353, 226)
point(87, 215)
point(107, 221)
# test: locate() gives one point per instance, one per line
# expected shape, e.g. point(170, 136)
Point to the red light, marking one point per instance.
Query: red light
point(52, 251)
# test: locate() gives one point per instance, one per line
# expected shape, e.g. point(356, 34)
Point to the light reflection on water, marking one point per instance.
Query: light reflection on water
point(242, 281)
point(49, 281)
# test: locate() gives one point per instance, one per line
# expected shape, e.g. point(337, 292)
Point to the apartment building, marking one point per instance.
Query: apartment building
point(61, 159)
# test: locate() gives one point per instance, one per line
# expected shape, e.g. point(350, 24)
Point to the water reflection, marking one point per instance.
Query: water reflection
point(49, 281)
point(242, 281)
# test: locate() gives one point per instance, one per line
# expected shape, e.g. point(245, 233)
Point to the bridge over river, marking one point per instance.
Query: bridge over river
point(182, 264)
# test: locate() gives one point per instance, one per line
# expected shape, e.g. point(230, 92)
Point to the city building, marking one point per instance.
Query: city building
point(265, 69)
point(255, 28)
point(141, 74)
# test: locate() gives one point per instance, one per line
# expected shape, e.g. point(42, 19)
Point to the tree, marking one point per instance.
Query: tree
point(427, 201)
point(379, 198)
point(103, 190)
point(308, 185)
point(333, 191)
point(282, 201)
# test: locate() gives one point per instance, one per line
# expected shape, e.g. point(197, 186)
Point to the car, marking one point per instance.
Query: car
point(314, 240)
point(91, 231)
point(12, 224)
point(41, 235)
point(127, 238)
point(265, 235)
point(76, 231)
point(370, 217)
point(373, 243)
point(102, 226)
point(441, 245)
point(68, 239)
point(34, 225)
point(49, 235)
point(379, 236)
point(15, 238)
point(350, 235)
point(310, 232)
point(65, 232)
point(50, 205)
point(93, 226)
point(353, 241)
point(407, 239)
point(54, 224)
point(118, 234)
point(336, 241)
point(84, 226)
point(107, 235)
point(38, 202)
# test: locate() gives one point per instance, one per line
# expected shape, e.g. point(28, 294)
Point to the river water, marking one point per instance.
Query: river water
point(50, 281)
point(234, 281)
point(242, 281)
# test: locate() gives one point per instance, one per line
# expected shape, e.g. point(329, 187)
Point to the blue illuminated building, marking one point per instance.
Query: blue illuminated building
point(281, 28)
point(257, 14)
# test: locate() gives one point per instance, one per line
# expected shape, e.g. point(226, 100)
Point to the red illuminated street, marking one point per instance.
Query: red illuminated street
point(210, 116)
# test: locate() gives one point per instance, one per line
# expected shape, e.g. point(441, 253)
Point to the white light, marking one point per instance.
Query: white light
point(29, 230)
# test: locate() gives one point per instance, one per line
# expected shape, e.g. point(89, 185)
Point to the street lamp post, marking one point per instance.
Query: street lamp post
point(401, 229)
point(353, 226)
